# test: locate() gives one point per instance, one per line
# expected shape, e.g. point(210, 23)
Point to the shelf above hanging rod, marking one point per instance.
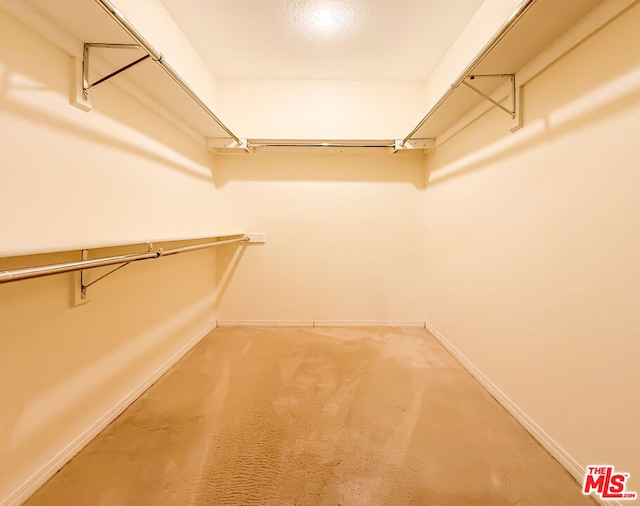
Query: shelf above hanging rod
point(486, 50)
point(80, 265)
point(104, 27)
point(533, 27)
point(155, 55)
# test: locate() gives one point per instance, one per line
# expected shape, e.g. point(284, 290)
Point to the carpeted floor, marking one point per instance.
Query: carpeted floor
point(314, 416)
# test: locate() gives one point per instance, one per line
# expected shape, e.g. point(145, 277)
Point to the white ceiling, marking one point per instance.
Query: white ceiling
point(322, 39)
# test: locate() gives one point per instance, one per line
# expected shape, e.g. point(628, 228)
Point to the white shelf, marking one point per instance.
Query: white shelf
point(535, 26)
point(71, 23)
point(18, 248)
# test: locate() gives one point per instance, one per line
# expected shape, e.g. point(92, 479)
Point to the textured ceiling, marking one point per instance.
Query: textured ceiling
point(322, 39)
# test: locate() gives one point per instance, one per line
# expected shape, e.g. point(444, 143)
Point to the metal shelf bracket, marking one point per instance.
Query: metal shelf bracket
point(85, 256)
point(86, 85)
point(228, 145)
point(403, 145)
point(514, 103)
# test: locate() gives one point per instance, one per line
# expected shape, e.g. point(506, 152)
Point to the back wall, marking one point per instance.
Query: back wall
point(345, 236)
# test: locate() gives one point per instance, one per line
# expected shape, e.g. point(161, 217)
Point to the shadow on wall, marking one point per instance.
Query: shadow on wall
point(59, 360)
point(582, 95)
point(320, 166)
point(227, 262)
point(34, 74)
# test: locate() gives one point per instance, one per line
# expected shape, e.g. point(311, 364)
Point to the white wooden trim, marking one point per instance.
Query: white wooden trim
point(320, 323)
point(265, 323)
point(36, 247)
point(42, 476)
point(369, 323)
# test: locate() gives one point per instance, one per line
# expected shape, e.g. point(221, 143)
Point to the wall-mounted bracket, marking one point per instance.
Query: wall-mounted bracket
point(223, 145)
point(86, 85)
point(424, 144)
point(84, 285)
point(513, 112)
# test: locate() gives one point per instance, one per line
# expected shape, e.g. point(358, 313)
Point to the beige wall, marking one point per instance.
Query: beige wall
point(117, 173)
point(327, 109)
point(344, 230)
point(532, 267)
point(345, 236)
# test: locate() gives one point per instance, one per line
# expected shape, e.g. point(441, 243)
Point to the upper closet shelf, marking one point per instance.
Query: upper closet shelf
point(108, 46)
point(529, 30)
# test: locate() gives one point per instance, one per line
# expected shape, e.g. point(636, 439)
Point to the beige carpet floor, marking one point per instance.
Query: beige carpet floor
point(314, 416)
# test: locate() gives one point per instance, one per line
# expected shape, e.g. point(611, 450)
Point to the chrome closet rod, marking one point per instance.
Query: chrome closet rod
point(318, 144)
point(46, 270)
point(157, 56)
point(244, 238)
point(508, 24)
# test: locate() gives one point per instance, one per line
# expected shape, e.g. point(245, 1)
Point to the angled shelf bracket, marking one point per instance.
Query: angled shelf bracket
point(228, 145)
point(514, 103)
point(86, 85)
point(412, 144)
point(83, 280)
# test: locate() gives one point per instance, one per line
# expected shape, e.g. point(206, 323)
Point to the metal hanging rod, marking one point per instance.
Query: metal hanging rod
point(504, 29)
point(264, 143)
point(80, 265)
point(46, 270)
point(157, 56)
point(223, 145)
point(164, 253)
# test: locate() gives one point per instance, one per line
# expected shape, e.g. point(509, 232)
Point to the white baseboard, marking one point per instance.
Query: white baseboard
point(264, 323)
point(42, 476)
point(369, 323)
point(320, 323)
point(556, 451)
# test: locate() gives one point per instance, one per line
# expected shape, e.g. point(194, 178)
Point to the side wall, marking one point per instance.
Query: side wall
point(532, 265)
point(118, 172)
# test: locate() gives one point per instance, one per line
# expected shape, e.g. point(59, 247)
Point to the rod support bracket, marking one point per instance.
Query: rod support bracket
point(228, 145)
point(86, 60)
point(514, 110)
point(84, 285)
point(412, 144)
